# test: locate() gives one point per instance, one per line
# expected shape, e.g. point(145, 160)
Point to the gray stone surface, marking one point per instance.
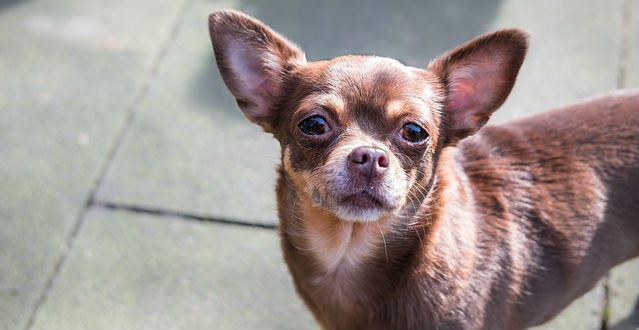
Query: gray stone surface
point(574, 52)
point(624, 295)
point(128, 271)
point(68, 72)
point(190, 148)
point(631, 49)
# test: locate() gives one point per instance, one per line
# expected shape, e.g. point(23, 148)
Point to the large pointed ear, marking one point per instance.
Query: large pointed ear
point(477, 77)
point(252, 60)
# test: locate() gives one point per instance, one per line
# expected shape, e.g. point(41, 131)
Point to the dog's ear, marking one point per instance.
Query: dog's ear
point(252, 60)
point(477, 77)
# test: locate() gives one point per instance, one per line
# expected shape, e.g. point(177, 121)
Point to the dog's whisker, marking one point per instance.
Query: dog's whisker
point(381, 232)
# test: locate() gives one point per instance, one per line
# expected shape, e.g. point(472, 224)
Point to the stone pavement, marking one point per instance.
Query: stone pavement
point(133, 194)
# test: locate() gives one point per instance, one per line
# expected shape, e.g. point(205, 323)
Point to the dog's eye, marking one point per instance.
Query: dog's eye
point(413, 133)
point(314, 125)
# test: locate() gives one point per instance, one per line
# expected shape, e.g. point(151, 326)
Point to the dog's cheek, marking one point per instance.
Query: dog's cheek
point(302, 179)
point(411, 176)
point(397, 182)
point(420, 179)
point(411, 179)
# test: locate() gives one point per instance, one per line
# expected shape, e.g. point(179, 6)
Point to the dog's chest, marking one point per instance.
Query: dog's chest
point(342, 246)
point(342, 251)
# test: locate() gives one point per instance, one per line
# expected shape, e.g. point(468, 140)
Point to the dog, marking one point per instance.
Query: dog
point(399, 211)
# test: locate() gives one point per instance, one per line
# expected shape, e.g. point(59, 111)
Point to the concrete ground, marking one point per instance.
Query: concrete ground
point(134, 195)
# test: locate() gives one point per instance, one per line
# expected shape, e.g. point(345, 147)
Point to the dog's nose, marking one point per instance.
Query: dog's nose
point(369, 161)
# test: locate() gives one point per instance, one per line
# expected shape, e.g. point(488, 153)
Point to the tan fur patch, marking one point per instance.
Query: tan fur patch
point(301, 179)
point(327, 100)
point(341, 244)
point(395, 108)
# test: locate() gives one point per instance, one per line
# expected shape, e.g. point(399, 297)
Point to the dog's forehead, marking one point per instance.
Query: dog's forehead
point(365, 66)
point(368, 87)
point(368, 77)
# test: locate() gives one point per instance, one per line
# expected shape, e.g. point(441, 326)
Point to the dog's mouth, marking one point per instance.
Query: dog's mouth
point(364, 200)
point(363, 205)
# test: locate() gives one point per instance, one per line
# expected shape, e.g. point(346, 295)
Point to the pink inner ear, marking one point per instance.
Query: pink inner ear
point(268, 87)
point(461, 95)
point(256, 71)
point(259, 89)
point(462, 103)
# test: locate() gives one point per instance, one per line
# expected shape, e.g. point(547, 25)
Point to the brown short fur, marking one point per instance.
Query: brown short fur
point(492, 228)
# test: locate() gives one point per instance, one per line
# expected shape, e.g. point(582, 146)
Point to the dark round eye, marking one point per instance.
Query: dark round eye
point(413, 133)
point(314, 125)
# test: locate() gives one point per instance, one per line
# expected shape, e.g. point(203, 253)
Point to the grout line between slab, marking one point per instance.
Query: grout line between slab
point(139, 96)
point(605, 303)
point(177, 214)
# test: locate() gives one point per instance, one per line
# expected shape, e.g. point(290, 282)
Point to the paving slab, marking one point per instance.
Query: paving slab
point(190, 149)
point(69, 70)
point(624, 296)
point(574, 52)
point(131, 271)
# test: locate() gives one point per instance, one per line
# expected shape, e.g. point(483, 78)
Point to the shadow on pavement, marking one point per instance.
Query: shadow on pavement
point(8, 3)
point(413, 32)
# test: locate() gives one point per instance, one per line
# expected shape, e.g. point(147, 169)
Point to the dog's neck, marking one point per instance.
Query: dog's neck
point(334, 260)
point(336, 244)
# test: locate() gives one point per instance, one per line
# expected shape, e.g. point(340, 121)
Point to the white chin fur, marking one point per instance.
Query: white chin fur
point(358, 215)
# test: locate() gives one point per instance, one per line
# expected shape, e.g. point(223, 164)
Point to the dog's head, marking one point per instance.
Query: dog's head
point(360, 134)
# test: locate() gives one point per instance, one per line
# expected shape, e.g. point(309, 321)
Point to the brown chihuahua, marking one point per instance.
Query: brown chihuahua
point(398, 212)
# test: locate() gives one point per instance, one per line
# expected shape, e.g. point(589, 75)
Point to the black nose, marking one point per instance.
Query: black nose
point(369, 161)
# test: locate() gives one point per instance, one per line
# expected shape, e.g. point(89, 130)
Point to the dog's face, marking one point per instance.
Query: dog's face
point(360, 134)
point(357, 133)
